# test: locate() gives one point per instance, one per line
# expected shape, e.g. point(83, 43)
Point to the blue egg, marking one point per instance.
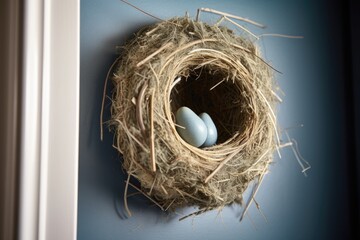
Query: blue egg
point(211, 130)
point(194, 130)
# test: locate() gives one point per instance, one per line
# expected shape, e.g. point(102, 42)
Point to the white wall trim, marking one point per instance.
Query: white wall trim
point(30, 122)
point(50, 124)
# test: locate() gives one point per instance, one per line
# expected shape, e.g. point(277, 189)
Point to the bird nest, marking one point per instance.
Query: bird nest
point(181, 62)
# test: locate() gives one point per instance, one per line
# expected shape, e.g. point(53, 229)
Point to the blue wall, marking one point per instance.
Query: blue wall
point(297, 207)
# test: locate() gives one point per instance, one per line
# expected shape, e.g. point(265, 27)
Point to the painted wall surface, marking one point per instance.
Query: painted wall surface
point(296, 207)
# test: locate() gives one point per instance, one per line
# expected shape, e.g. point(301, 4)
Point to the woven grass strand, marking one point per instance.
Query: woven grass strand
point(208, 68)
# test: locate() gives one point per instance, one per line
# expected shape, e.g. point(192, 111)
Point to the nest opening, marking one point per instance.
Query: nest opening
point(209, 89)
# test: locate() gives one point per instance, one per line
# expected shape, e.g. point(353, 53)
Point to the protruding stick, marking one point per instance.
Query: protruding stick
point(137, 8)
point(147, 196)
point(228, 15)
point(256, 188)
point(103, 99)
point(280, 35)
point(126, 195)
point(139, 100)
point(241, 27)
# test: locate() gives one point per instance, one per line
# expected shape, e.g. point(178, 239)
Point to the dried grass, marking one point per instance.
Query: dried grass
point(181, 62)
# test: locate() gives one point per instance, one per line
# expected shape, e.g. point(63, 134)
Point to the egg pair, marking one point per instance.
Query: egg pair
point(199, 131)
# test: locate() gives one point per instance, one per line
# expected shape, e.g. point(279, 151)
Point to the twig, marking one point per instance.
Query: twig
point(139, 100)
point(152, 144)
point(257, 161)
point(152, 186)
point(137, 8)
point(153, 54)
point(273, 119)
point(103, 99)
point(125, 195)
point(163, 188)
point(222, 164)
point(248, 51)
point(166, 120)
point(147, 196)
point(256, 188)
point(176, 81)
point(241, 27)
point(227, 15)
point(284, 145)
point(194, 213)
point(261, 212)
point(217, 84)
point(280, 35)
point(277, 96)
point(297, 155)
point(182, 193)
point(219, 21)
point(167, 208)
